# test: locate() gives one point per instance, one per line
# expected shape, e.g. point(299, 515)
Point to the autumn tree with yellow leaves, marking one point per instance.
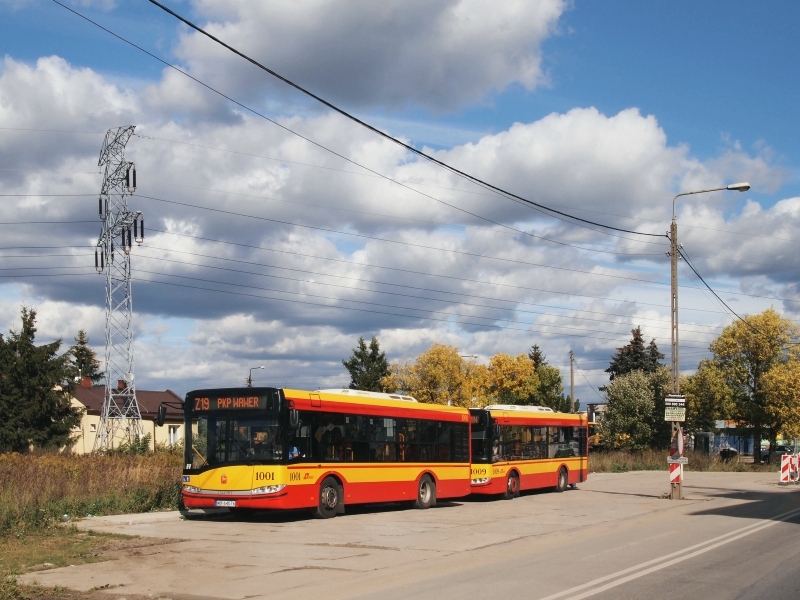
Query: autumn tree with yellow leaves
point(440, 376)
point(749, 378)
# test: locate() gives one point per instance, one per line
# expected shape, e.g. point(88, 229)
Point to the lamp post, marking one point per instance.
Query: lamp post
point(250, 377)
point(674, 246)
point(676, 481)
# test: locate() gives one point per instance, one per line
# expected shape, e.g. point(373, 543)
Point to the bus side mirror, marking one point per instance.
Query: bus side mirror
point(294, 419)
point(496, 430)
point(161, 415)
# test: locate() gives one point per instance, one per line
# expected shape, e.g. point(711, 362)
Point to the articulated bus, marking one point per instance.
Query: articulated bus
point(270, 448)
point(518, 448)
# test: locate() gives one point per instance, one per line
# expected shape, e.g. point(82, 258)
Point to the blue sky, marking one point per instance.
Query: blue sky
point(719, 78)
point(711, 72)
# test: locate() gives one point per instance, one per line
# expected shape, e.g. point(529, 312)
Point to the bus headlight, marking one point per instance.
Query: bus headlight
point(191, 489)
point(270, 489)
point(481, 481)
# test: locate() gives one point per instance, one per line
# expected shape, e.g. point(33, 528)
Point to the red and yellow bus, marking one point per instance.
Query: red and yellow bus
point(518, 448)
point(270, 448)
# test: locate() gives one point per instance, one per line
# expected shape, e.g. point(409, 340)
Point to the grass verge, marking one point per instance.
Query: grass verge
point(656, 460)
point(42, 492)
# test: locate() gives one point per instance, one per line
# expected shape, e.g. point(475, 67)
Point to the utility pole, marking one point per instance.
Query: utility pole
point(676, 470)
point(571, 381)
point(120, 416)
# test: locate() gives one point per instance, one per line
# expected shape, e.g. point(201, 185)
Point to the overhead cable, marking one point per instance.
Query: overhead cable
point(390, 138)
point(557, 214)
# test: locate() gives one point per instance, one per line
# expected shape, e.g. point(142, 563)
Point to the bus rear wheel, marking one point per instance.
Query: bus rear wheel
point(563, 480)
point(330, 499)
point(426, 493)
point(512, 487)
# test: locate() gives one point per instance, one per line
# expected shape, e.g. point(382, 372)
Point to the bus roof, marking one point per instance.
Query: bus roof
point(514, 413)
point(378, 404)
point(364, 394)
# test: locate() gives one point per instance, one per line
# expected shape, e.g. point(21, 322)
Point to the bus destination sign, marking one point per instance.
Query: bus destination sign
point(229, 403)
point(675, 408)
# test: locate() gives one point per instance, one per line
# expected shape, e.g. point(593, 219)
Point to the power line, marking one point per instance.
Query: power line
point(489, 229)
point(394, 140)
point(376, 238)
point(494, 284)
point(47, 130)
point(515, 309)
point(474, 180)
point(295, 301)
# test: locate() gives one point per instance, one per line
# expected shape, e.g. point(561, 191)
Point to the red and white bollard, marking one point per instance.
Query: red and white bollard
point(676, 468)
point(789, 468)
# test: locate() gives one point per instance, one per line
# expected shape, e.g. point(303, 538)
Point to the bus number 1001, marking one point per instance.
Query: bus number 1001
point(262, 476)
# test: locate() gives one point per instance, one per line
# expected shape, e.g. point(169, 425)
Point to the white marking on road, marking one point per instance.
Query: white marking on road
point(659, 563)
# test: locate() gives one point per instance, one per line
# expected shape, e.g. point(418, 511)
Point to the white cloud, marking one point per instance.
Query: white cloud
point(439, 54)
point(294, 292)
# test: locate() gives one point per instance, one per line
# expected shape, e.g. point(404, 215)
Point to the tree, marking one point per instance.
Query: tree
point(85, 363)
point(35, 407)
point(635, 357)
point(708, 397)
point(744, 353)
point(367, 366)
point(439, 376)
point(782, 387)
point(551, 387)
point(628, 420)
point(537, 356)
point(512, 379)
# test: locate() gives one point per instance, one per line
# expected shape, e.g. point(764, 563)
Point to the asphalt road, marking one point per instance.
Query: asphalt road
point(733, 537)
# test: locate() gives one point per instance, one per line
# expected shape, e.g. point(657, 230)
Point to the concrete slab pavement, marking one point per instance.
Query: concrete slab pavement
point(612, 517)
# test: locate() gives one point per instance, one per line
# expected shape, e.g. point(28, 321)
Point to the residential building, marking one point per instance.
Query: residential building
point(90, 398)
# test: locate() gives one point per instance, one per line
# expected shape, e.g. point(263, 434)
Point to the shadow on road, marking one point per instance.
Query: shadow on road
point(245, 515)
point(753, 504)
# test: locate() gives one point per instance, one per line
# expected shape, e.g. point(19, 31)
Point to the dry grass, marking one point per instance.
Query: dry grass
point(40, 492)
point(656, 460)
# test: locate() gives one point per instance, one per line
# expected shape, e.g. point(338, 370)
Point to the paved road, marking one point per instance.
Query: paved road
point(733, 537)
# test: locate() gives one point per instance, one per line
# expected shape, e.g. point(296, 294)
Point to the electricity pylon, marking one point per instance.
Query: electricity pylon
point(120, 419)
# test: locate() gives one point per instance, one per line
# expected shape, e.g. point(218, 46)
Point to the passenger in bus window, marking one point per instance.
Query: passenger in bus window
point(495, 450)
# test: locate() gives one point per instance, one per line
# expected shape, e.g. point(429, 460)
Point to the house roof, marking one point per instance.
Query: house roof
point(92, 398)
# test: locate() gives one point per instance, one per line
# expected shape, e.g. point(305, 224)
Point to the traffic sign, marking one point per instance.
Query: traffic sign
point(681, 460)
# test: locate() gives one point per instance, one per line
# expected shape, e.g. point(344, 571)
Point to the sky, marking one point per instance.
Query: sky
point(279, 238)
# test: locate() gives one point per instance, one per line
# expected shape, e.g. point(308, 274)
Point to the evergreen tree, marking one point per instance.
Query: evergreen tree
point(35, 405)
point(85, 363)
point(367, 366)
point(537, 356)
point(551, 387)
point(635, 357)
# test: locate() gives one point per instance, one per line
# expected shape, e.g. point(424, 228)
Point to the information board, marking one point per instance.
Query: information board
point(675, 408)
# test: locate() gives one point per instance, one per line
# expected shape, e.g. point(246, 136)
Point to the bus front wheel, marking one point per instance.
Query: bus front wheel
point(330, 499)
point(563, 480)
point(426, 493)
point(512, 486)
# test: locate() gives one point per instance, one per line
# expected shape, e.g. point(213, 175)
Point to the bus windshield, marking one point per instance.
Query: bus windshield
point(236, 437)
point(481, 436)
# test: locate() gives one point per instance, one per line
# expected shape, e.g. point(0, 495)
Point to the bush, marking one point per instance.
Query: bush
point(38, 492)
point(618, 461)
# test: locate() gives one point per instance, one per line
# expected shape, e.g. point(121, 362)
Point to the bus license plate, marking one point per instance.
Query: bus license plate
point(225, 503)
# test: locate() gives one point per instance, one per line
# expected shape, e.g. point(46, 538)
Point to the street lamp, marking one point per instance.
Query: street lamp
point(250, 377)
point(673, 236)
point(468, 355)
